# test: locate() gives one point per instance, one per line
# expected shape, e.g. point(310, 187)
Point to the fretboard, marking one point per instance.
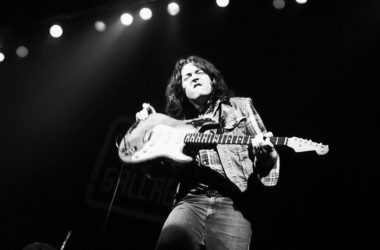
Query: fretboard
point(199, 138)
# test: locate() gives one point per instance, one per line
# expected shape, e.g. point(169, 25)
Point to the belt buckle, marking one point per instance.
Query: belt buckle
point(211, 192)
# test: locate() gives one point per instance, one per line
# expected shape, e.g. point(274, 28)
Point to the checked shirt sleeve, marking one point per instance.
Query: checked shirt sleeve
point(256, 126)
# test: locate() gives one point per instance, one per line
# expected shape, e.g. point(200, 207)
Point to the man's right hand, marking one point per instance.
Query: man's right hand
point(145, 112)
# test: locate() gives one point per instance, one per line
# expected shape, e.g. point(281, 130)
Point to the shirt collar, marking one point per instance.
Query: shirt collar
point(212, 108)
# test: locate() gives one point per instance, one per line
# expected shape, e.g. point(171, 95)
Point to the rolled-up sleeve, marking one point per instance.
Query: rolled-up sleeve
point(256, 126)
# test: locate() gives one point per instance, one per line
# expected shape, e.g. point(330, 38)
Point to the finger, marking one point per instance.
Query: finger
point(149, 108)
point(258, 139)
point(257, 144)
point(269, 134)
point(254, 147)
point(254, 142)
point(142, 115)
point(152, 110)
point(267, 142)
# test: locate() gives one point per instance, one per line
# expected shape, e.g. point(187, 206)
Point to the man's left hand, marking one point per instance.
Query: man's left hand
point(261, 144)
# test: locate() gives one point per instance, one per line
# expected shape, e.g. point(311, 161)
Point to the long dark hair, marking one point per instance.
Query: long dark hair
point(177, 104)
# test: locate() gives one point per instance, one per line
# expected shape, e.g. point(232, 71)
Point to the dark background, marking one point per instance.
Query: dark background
point(310, 69)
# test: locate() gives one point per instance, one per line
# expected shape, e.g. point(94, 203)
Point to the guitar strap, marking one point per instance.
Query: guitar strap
point(221, 120)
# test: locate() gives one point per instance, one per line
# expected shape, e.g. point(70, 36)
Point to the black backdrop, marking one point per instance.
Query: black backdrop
point(310, 70)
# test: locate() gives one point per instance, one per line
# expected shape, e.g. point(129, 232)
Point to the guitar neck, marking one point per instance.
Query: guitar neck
point(209, 139)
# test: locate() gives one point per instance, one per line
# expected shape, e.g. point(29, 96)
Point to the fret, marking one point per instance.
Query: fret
point(282, 140)
point(246, 139)
point(239, 138)
point(204, 138)
point(216, 138)
point(187, 137)
point(198, 137)
point(192, 137)
point(274, 140)
point(236, 138)
point(229, 139)
point(210, 138)
point(279, 140)
point(220, 139)
point(223, 139)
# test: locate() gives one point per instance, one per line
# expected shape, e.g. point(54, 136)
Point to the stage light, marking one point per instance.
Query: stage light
point(56, 31)
point(301, 1)
point(126, 19)
point(278, 4)
point(2, 57)
point(173, 8)
point(100, 26)
point(222, 3)
point(145, 13)
point(22, 51)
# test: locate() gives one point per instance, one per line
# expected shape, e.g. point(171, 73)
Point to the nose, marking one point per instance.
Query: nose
point(195, 79)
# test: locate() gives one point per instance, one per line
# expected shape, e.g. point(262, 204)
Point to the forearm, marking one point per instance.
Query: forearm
point(266, 162)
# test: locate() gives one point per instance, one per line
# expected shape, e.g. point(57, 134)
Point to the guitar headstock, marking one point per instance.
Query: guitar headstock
point(302, 145)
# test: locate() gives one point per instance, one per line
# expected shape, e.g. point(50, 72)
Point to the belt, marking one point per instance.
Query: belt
point(209, 192)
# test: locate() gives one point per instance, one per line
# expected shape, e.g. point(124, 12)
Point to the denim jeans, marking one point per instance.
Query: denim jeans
point(205, 222)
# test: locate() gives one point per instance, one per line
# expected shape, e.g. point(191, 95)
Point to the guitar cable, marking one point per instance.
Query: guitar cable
point(118, 141)
point(113, 198)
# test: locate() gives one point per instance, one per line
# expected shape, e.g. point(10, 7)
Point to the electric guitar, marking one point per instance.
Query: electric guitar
point(160, 136)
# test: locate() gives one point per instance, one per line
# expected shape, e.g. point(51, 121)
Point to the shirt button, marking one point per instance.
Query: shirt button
point(211, 192)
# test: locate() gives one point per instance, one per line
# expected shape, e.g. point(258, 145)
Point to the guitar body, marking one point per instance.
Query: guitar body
point(159, 136)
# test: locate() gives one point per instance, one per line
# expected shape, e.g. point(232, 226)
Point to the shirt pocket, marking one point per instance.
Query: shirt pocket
point(241, 151)
point(233, 122)
point(242, 159)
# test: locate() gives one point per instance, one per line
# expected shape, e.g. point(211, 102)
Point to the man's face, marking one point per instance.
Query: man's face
point(196, 83)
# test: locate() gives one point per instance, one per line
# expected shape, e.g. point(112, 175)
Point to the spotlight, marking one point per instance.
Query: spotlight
point(2, 57)
point(126, 19)
point(100, 26)
point(301, 1)
point(173, 8)
point(278, 4)
point(145, 13)
point(222, 3)
point(22, 51)
point(56, 31)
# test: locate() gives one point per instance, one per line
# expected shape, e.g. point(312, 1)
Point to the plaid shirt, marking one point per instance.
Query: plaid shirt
point(253, 126)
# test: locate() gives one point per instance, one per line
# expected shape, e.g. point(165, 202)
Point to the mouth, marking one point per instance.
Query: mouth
point(197, 85)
